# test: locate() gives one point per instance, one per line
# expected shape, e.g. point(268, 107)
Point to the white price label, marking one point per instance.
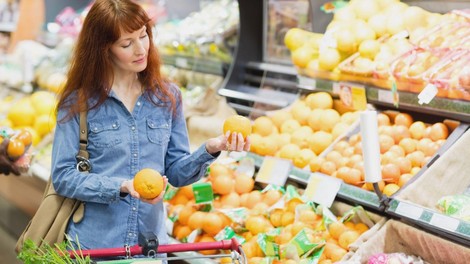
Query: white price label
point(181, 62)
point(385, 96)
point(409, 210)
point(444, 222)
point(427, 94)
point(322, 189)
point(274, 171)
point(307, 83)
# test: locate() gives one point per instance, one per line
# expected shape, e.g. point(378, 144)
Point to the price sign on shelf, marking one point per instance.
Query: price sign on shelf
point(322, 189)
point(351, 95)
point(444, 222)
point(307, 83)
point(274, 171)
point(181, 62)
point(409, 210)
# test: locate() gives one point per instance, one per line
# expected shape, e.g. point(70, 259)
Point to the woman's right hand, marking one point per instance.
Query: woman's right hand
point(6, 165)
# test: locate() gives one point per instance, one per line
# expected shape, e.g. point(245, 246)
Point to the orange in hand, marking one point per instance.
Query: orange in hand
point(15, 149)
point(25, 137)
point(238, 124)
point(148, 183)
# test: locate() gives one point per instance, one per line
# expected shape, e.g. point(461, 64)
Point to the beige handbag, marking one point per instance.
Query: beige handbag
point(49, 223)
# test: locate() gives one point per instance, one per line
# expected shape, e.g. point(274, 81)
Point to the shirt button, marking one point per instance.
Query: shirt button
point(130, 234)
point(114, 125)
point(133, 128)
point(133, 208)
point(138, 103)
point(94, 129)
point(135, 154)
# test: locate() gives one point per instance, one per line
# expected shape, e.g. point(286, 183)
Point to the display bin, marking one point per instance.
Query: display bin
point(398, 237)
point(447, 176)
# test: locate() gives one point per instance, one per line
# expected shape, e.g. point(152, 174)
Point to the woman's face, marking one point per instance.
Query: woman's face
point(129, 52)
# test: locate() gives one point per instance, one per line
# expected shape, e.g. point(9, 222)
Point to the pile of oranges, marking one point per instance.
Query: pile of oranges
point(301, 132)
point(405, 146)
point(266, 210)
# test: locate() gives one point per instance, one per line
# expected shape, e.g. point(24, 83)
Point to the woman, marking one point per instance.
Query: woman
point(135, 121)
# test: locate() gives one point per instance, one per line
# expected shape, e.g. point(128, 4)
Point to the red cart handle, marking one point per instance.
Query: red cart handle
point(137, 250)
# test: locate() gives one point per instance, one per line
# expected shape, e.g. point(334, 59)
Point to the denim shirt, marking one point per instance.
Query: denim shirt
point(120, 144)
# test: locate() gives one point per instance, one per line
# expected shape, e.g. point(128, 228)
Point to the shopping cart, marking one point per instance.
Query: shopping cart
point(149, 247)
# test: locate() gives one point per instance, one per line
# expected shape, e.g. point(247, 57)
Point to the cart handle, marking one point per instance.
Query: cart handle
point(171, 248)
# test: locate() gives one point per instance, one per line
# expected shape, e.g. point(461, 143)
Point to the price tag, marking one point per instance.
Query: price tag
point(322, 189)
point(307, 83)
point(408, 210)
point(444, 222)
point(352, 95)
point(274, 171)
point(181, 62)
point(385, 96)
point(427, 94)
point(203, 193)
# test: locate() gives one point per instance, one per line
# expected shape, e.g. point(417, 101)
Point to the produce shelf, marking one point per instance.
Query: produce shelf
point(458, 230)
point(190, 257)
point(451, 108)
point(204, 65)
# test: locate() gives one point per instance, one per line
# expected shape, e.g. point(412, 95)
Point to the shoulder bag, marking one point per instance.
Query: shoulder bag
point(49, 223)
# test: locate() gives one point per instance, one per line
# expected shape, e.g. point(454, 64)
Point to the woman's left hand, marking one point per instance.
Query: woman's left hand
point(220, 143)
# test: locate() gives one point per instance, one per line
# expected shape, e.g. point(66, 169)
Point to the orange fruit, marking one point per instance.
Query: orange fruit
point(196, 220)
point(244, 184)
point(179, 199)
point(24, 136)
point(390, 189)
point(439, 131)
point(276, 217)
point(348, 237)
point(222, 184)
point(361, 227)
point(403, 119)
point(271, 197)
point(383, 119)
point(255, 224)
point(279, 117)
point(148, 183)
point(263, 126)
point(391, 173)
point(15, 148)
point(404, 178)
point(185, 214)
point(182, 232)
point(336, 229)
point(238, 124)
point(231, 199)
point(319, 100)
point(212, 224)
point(253, 198)
point(417, 130)
point(217, 169)
point(287, 218)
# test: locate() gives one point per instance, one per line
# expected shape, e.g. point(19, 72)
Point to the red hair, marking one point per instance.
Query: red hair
point(90, 74)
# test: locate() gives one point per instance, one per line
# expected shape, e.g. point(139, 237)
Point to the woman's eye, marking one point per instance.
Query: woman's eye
point(127, 45)
point(144, 36)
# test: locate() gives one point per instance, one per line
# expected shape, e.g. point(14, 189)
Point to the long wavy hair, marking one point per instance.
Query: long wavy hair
point(90, 74)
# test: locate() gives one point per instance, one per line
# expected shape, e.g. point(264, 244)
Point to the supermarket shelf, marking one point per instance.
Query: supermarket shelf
point(346, 192)
point(204, 65)
point(450, 108)
point(252, 94)
point(452, 228)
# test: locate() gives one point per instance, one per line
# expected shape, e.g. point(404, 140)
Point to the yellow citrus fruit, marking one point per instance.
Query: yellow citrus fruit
point(390, 189)
point(238, 124)
point(319, 100)
point(263, 126)
point(148, 183)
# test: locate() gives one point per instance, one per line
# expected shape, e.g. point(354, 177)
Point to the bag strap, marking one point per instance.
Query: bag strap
point(83, 162)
